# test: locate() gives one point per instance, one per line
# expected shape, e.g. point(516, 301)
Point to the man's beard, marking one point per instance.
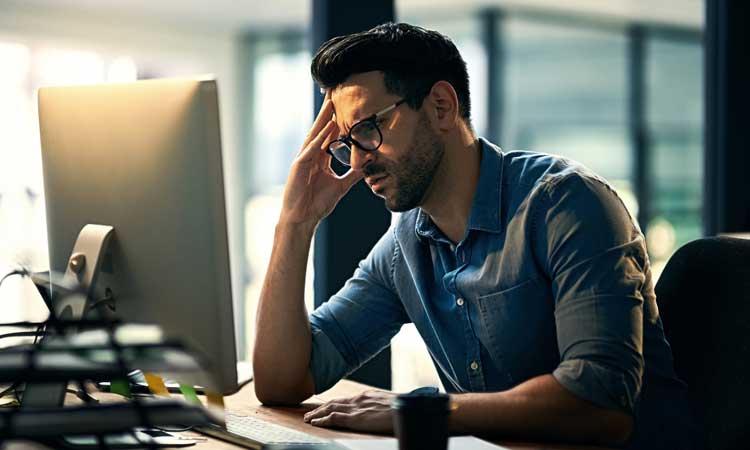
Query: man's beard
point(413, 173)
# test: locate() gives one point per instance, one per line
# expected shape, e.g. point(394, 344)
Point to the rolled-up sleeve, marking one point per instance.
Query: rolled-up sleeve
point(359, 321)
point(596, 259)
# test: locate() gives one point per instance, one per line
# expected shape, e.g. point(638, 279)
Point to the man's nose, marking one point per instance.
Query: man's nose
point(359, 158)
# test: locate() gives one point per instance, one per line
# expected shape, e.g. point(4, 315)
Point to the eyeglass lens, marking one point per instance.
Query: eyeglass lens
point(366, 136)
point(341, 151)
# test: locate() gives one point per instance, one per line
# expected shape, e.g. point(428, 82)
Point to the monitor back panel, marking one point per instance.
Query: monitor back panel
point(145, 157)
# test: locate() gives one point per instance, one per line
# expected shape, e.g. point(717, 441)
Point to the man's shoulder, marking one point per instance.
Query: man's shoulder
point(527, 167)
point(527, 171)
point(571, 187)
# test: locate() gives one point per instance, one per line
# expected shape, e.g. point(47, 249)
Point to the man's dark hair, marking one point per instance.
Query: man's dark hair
point(412, 59)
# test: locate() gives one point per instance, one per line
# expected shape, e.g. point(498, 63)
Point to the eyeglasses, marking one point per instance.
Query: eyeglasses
point(365, 134)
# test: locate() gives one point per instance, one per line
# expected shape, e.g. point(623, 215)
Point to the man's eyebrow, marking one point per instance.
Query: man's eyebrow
point(357, 117)
point(343, 126)
point(348, 127)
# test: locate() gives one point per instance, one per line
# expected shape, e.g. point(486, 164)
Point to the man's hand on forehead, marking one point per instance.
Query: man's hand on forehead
point(327, 93)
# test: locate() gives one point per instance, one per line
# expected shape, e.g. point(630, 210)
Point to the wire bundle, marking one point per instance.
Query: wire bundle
point(76, 351)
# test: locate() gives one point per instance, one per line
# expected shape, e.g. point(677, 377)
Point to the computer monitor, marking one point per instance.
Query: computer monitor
point(145, 158)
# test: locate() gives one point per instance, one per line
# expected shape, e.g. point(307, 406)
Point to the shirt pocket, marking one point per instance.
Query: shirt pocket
point(518, 325)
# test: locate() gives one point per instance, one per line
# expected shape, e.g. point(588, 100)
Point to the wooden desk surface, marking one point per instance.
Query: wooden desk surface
point(245, 402)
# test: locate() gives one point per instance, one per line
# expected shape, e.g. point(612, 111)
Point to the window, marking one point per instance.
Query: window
point(566, 93)
point(281, 114)
point(22, 211)
point(674, 114)
point(33, 56)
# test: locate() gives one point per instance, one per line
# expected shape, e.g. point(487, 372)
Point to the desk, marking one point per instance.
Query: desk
point(245, 402)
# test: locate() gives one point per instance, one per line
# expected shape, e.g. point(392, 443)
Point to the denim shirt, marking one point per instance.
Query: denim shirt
point(550, 277)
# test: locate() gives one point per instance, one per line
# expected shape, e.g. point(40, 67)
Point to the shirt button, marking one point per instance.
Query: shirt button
point(453, 248)
point(460, 302)
point(474, 365)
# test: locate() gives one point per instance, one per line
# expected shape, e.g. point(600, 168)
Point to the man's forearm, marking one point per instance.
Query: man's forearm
point(539, 408)
point(283, 341)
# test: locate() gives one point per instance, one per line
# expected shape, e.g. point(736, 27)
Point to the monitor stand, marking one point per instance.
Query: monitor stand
point(82, 270)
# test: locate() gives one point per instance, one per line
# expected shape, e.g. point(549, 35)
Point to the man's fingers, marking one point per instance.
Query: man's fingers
point(331, 136)
point(316, 146)
point(326, 410)
point(335, 419)
point(324, 116)
point(327, 163)
point(326, 136)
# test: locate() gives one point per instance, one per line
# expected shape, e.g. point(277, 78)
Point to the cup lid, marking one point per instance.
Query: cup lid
point(427, 402)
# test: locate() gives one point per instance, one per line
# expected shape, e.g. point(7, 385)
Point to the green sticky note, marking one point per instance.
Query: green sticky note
point(189, 393)
point(121, 387)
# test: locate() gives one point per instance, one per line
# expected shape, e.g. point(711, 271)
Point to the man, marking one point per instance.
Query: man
point(523, 272)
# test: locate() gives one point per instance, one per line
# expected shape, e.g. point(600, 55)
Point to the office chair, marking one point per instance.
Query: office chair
point(704, 302)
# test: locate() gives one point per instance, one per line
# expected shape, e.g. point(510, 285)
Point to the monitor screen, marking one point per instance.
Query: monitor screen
point(145, 158)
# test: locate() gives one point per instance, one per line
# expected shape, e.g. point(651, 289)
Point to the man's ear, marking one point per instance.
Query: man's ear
point(443, 103)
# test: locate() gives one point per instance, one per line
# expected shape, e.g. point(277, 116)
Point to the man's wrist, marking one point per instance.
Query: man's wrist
point(455, 424)
point(304, 228)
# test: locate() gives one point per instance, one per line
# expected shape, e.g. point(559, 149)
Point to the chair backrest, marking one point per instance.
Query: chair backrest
point(704, 302)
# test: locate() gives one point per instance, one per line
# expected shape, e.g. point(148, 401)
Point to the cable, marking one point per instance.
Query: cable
point(41, 328)
point(22, 324)
point(35, 334)
point(82, 393)
point(61, 327)
point(175, 430)
point(13, 388)
point(22, 271)
point(108, 300)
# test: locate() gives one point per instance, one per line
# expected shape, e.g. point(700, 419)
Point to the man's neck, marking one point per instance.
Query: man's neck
point(451, 195)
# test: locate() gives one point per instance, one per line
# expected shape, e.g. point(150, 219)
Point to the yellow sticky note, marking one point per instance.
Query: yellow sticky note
point(156, 384)
point(215, 399)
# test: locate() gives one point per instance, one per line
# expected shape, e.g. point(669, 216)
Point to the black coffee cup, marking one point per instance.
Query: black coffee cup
point(420, 420)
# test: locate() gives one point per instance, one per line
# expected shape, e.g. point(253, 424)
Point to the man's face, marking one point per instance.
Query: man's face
point(402, 169)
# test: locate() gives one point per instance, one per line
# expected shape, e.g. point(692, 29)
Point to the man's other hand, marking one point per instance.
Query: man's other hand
point(368, 412)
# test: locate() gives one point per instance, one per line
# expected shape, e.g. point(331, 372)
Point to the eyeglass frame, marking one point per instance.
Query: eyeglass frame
point(348, 140)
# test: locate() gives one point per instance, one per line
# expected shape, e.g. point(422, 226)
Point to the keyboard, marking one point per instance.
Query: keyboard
point(258, 434)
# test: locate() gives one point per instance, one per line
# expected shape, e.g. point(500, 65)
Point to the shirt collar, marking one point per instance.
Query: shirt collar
point(485, 209)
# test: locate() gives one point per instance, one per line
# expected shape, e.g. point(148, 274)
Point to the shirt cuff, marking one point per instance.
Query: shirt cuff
point(326, 363)
point(597, 383)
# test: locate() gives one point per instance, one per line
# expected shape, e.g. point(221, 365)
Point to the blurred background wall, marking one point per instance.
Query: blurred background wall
point(615, 84)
